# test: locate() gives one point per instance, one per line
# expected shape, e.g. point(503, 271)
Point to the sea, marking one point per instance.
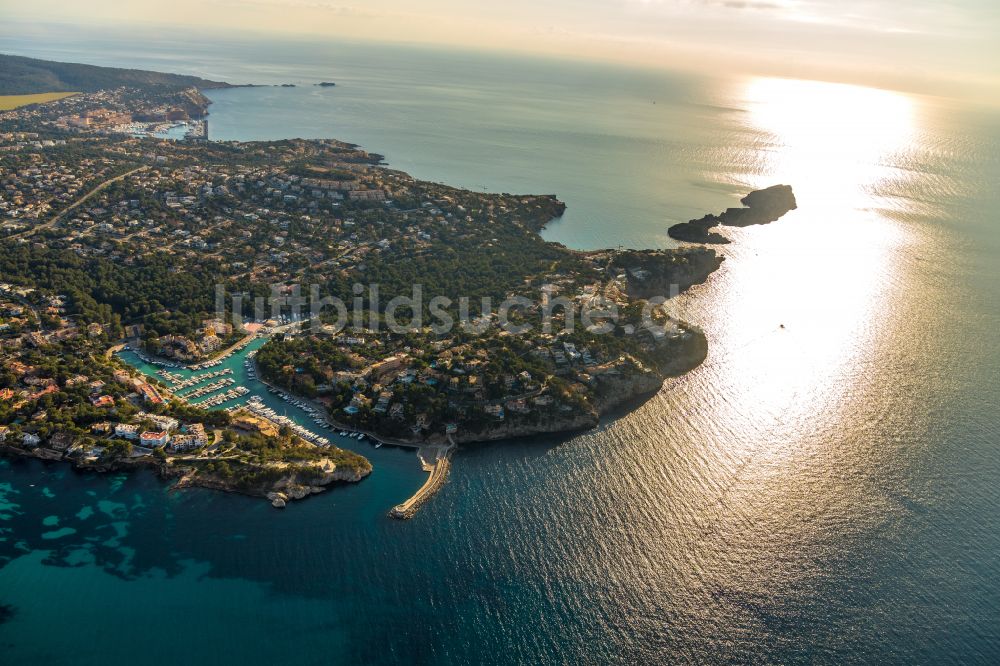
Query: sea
point(825, 488)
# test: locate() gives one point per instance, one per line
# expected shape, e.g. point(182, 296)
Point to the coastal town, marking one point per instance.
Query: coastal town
point(67, 396)
point(115, 240)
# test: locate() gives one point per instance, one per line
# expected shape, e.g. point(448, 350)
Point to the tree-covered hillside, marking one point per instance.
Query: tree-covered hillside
point(22, 76)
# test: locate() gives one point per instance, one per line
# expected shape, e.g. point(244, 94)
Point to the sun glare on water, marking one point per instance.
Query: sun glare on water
point(835, 141)
point(800, 321)
point(807, 299)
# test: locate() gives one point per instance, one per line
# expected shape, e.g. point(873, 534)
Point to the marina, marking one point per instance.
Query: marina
point(231, 383)
point(206, 390)
point(174, 130)
point(223, 398)
point(179, 383)
point(258, 408)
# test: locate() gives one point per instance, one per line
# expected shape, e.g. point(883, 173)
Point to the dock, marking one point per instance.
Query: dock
point(437, 461)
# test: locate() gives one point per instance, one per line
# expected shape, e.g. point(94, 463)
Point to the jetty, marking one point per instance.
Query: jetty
point(435, 459)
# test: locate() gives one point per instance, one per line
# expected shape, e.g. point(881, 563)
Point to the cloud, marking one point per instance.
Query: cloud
point(760, 5)
point(328, 7)
point(751, 4)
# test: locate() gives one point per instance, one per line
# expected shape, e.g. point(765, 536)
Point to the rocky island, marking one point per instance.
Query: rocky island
point(759, 207)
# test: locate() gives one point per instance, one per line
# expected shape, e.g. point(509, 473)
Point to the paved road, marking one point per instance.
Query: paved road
point(58, 216)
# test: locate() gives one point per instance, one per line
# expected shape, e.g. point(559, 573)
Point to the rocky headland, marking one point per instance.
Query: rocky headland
point(279, 483)
point(759, 207)
point(663, 273)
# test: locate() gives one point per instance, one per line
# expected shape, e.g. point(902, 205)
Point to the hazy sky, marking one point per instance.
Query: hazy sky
point(943, 46)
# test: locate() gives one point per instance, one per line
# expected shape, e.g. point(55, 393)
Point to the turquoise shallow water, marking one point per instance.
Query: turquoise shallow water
point(828, 491)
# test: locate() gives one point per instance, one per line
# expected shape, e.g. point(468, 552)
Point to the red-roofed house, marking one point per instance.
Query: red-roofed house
point(45, 391)
point(105, 401)
point(149, 393)
point(153, 439)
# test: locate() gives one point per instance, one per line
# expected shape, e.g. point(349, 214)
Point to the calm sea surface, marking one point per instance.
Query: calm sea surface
point(824, 491)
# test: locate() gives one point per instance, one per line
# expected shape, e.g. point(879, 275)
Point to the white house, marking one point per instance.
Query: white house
point(162, 422)
point(183, 443)
point(127, 431)
point(197, 431)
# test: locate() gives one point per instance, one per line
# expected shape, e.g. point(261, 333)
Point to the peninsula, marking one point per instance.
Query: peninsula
point(181, 249)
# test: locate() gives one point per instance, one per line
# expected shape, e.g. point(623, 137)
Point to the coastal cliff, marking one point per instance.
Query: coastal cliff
point(194, 103)
point(615, 386)
point(187, 104)
point(279, 483)
point(614, 391)
point(548, 208)
point(653, 273)
point(584, 418)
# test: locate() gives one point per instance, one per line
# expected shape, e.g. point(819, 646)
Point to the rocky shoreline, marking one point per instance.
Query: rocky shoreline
point(665, 273)
point(283, 488)
point(614, 392)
